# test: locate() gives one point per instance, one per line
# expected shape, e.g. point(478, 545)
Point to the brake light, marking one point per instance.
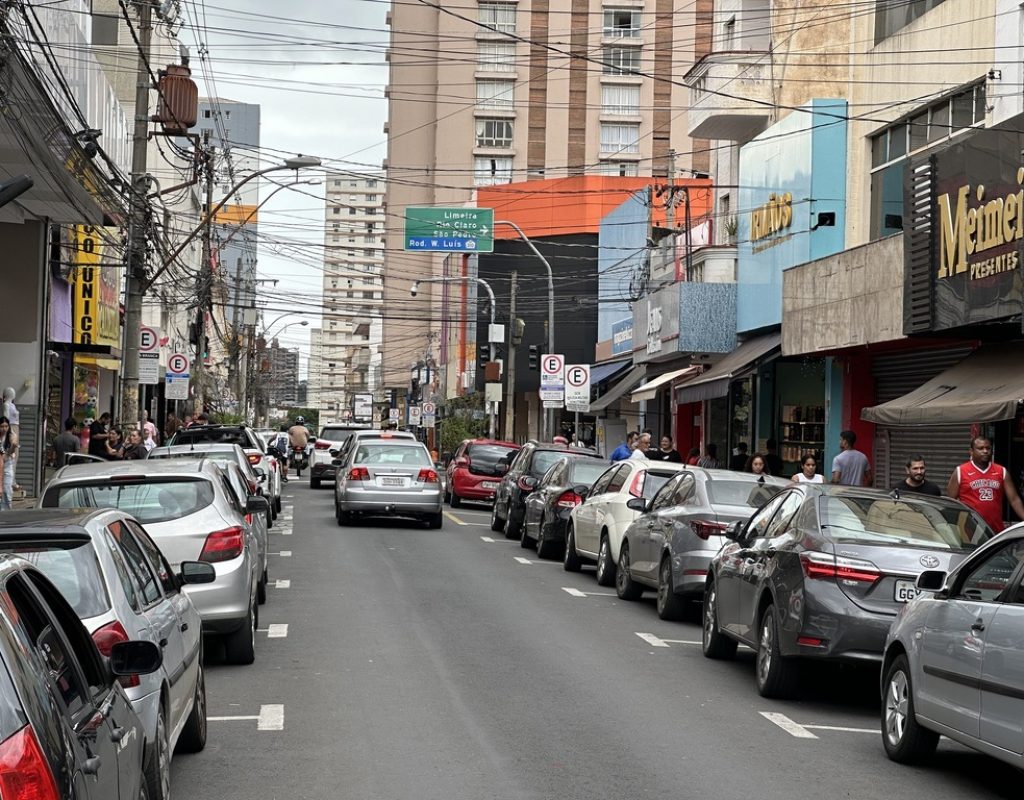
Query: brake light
point(105, 638)
point(704, 528)
point(24, 771)
point(359, 474)
point(248, 519)
point(568, 499)
point(523, 484)
point(822, 566)
point(636, 486)
point(254, 458)
point(223, 545)
point(322, 445)
point(427, 476)
point(810, 641)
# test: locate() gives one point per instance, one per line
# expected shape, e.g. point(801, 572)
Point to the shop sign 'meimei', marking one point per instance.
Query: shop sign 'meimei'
point(979, 226)
point(771, 217)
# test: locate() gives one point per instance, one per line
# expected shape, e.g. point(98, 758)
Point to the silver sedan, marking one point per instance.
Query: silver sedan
point(387, 477)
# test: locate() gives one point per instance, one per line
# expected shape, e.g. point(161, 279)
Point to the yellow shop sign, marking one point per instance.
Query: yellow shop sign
point(978, 226)
point(772, 217)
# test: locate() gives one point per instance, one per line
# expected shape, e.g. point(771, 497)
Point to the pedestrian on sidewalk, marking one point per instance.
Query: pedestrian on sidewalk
point(915, 481)
point(67, 443)
point(772, 460)
point(98, 436)
point(850, 467)
point(640, 447)
point(149, 429)
point(740, 459)
point(8, 455)
point(981, 484)
point(756, 464)
point(808, 471)
point(710, 458)
point(623, 451)
point(113, 446)
point(133, 448)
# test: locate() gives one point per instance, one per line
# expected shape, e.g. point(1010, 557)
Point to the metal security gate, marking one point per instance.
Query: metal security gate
point(943, 446)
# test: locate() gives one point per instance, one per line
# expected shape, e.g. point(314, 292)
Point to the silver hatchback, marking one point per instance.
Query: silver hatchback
point(387, 477)
point(193, 514)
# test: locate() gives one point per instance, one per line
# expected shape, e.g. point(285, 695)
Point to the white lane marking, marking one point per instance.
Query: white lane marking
point(454, 518)
point(228, 719)
point(652, 640)
point(522, 560)
point(271, 718)
point(277, 630)
point(792, 728)
point(283, 554)
point(578, 593)
point(841, 728)
point(287, 532)
point(680, 641)
point(283, 584)
point(492, 540)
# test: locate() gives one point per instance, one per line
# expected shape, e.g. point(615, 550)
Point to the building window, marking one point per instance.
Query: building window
point(371, 184)
point(621, 60)
point(619, 138)
point(619, 169)
point(336, 210)
point(620, 99)
point(491, 171)
point(499, 17)
point(351, 212)
point(494, 133)
point(371, 198)
point(104, 30)
point(622, 22)
point(892, 15)
point(337, 184)
point(495, 94)
point(496, 57)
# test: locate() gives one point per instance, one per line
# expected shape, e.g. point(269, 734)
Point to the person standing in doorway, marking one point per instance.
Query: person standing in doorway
point(67, 443)
point(98, 436)
point(850, 467)
point(8, 455)
point(915, 481)
point(624, 450)
point(710, 458)
point(981, 484)
point(740, 459)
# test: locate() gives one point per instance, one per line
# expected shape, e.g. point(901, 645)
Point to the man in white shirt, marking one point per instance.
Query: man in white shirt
point(640, 447)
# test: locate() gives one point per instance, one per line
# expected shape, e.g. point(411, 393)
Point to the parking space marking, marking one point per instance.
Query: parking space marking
point(522, 560)
point(283, 554)
point(492, 540)
point(577, 593)
point(454, 518)
point(789, 726)
point(275, 630)
point(283, 584)
point(271, 718)
point(652, 640)
point(841, 729)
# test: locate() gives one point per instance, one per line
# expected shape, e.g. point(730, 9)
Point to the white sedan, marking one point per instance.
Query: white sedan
point(597, 525)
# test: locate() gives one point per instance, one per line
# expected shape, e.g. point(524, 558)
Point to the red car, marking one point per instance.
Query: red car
point(476, 469)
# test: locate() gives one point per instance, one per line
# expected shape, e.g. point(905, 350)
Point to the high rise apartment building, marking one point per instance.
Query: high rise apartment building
point(492, 92)
point(350, 333)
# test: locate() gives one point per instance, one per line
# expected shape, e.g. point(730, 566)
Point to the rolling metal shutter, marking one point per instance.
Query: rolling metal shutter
point(943, 447)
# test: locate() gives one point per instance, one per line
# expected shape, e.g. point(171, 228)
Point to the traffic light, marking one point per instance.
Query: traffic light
point(483, 355)
point(534, 356)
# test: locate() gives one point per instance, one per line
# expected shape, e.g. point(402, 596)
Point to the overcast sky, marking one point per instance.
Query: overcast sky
point(332, 110)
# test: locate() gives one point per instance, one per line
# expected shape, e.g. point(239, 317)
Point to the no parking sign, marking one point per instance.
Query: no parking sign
point(176, 381)
point(552, 377)
point(577, 387)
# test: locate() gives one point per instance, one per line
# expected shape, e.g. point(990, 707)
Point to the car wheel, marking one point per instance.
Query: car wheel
point(193, 735)
point(545, 547)
point(314, 483)
point(776, 675)
point(670, 605)
point(240, 646)
point(511, 529)
point(158, 765)
point(456, 501)
point(713, 642)
point(277, 504)
point(270, 518)
point(343, 517)
point(497, 523)
point(274, 510)
point(905, 740)
point(571, 559)
point(261, 588)
point(625, 587)
point(605, 565)
point(435, 521)
point(525, 540)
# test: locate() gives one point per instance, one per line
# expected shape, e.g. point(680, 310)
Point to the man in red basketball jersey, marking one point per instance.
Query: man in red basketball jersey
point(982, 485)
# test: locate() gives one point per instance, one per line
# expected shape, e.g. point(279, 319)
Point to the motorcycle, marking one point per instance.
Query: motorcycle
point(298, 460)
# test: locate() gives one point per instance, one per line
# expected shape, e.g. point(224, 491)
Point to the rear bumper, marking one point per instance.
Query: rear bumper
point(471, 489)
point(848, 632)
point(322, 470)
point(425, 502)
point(690, 571)
point(224, 604)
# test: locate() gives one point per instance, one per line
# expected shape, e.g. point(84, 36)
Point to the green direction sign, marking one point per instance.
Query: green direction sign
point(445, 230)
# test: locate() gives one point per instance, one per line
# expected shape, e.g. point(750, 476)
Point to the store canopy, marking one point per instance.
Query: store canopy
point(650, 389)
point(602, 372)
point(626, 384)
point(987, 386)
point(715, 382)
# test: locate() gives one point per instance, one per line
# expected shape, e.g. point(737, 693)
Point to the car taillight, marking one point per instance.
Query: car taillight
point(522, 484)
point(463, 461)
point(636, 486)
point(223, 545)
point(359, 474)
point(105, 638)
point(427, 476)
point(24, 771)
point(823, 566)
point(248, 519)
point(322, 445)
point(254, 458)
point(704, 528)
point(568, 500)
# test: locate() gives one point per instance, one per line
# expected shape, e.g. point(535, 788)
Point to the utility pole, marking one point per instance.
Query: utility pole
point(670, 194)
point(510, 394)
point(203, 295)
point(137, 225)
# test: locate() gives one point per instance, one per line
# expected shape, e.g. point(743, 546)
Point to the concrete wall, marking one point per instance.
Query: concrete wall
point(852, 298)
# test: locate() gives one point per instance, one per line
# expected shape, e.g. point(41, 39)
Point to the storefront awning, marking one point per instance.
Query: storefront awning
point(626, 384)
point(650, 389)
point(602, 372)
point(986, 386)
point(715, 382)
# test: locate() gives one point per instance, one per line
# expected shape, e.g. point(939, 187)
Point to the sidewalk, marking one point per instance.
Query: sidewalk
point(21, 501)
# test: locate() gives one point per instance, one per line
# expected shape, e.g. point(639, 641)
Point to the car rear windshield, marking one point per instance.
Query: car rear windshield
point(901, 523)
point(149, 501)
point(487, 456)
point(217, 435)
point(72, 567)
point(217, 456)
point(585, 471)
point(544, 459)
point(336, 434)
point(373, 453)
point(741, 493)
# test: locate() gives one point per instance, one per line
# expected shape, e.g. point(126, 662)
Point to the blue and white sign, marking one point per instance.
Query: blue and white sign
point(552, 377)
point(622, 337)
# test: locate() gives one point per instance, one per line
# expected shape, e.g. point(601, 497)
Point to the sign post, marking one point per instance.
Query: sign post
point(149, 355)
point(429, 418)
point(415, 416)
point(176, 380)
point(443, 230)
point(577, 392)
point(552, 382)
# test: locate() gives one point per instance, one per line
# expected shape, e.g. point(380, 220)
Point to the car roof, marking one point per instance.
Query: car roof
point(732, 475)
point(868, 493)
point(497, 442)
point(157, 467)
point(50, 520)
point(197, 447)
point(564, 448)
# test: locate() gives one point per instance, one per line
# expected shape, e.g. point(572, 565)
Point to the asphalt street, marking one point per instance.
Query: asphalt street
point(398, 662)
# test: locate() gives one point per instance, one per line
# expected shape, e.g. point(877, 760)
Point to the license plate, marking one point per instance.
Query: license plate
point(488, 485)
point(392, 481)
point(906, 591)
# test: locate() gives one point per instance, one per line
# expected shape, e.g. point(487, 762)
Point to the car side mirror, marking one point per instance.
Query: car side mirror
point(262, 477)
point(197, 572)
point(530, 481)
point(637, 504)
point(733, 531)
point(257, 504)
point(581, 490)
point(336, 462)
point(931, 580)
point(136, 657)
point(334, 451)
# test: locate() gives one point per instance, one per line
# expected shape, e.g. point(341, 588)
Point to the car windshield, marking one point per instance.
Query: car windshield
point(741, 493)
point(904, 522)
point(372, 453)
point(71, 567)
point(585, 471)
point(487, 456)
point(147, 501)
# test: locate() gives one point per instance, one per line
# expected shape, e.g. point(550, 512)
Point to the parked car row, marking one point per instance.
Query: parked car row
point(108, 592)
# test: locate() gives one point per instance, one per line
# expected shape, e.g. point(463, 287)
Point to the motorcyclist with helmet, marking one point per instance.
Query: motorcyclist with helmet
point(298, 439)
